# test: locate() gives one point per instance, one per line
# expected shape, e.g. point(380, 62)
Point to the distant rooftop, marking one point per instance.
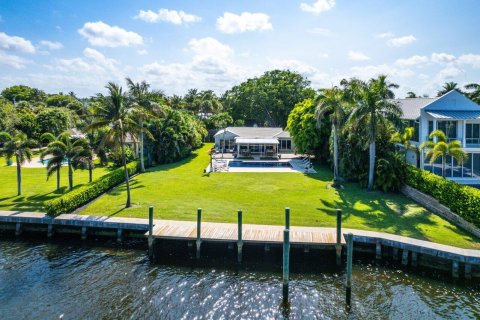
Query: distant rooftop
point(256, 132)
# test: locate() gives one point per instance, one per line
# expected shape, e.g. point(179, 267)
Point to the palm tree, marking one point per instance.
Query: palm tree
point(475, 94)
point(75, 152)
point(145, 108)
point(439, 147)
point(331, 102)
point(17, 146)
point(447, 87)
point(374, 107)
point(405, 139)
point(115, 115)
point(54, 163)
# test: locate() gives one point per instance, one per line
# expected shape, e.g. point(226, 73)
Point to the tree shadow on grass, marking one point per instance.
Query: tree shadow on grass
point(173, 165)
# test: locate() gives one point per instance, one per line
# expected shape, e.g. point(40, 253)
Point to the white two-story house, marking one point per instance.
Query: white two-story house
point(459, 118)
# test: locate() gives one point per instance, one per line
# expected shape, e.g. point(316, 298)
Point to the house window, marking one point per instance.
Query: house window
point(449, 128)
point(285, 144)
point(467, 167)
point(430, 127)
point(476, 165)
point(472, 134)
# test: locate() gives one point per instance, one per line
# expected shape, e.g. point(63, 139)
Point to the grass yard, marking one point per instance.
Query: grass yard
point(177, 190)
point(35, 187)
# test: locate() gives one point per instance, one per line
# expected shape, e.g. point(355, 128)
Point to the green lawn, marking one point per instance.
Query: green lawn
point(177, 190)
point(35, 187)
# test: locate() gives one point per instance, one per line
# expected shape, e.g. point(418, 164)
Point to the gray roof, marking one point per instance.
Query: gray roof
point(256, 132)
point(464, 115)
point(411, 106)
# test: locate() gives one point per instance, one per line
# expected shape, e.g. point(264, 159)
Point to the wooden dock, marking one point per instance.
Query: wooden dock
point(228, 232)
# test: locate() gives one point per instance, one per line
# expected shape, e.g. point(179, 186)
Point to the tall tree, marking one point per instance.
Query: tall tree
point(373, 107)
point(17, 147)
point(439, 147)
point(115, 116)
point(474, 94)
point(144, 108)
point(447, 87)
point(411, 94)
point(331, 103)
point(74, 151)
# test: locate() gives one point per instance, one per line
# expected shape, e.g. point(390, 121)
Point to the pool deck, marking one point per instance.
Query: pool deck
point(227, 232)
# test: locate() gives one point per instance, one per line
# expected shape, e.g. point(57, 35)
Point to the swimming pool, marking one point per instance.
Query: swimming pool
point(258, 164)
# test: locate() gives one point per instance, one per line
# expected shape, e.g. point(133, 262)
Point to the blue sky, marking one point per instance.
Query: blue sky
point(176, 45)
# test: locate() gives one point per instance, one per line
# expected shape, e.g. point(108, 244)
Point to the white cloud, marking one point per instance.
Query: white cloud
point(93, 63)
point(318, 6)
point(246, 21)
point(401, 41)
point(357, 56)
point(14, 43)
point(412, 61)
point(294, 65)
point(442, 57)
point(321, 32)
point(165, 15)
point(103, 35)
point(52, 45)
point(12, 61)
point(470, 59)
point(371, 71)
point(385, 35)
point(209, 47)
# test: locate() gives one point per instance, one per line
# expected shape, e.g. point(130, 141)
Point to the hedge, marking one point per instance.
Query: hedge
point(461, 199)
point(84, 194)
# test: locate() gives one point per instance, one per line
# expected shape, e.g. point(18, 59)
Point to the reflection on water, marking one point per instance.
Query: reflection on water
point(41, 280)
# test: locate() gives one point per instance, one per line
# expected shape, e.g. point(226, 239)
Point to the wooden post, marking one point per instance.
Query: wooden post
point(240, 237)
point(286, 263)
point(395, 253)
point(349, 268)
point(119, 234)
point(287, 218)
point(455, 267)
point(50, 230)
point(84, 233)
point(468, 271)
point(414, 259)
point(199, 231)
point(18, 229)
point(378, 250)
point(150, 233)
point(405, 257)
point(338, 246)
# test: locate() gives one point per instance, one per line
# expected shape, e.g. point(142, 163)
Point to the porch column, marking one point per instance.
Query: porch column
point(434, 128)
point(464, 134)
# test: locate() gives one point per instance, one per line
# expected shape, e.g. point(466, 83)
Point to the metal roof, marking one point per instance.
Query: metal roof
point(255, 132)
point(411, 106)
point(256, 141)
point(462, 115)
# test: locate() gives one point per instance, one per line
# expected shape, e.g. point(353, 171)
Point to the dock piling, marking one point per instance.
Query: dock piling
point(286, 263)
point(349, 268)
point(338, 246)
point(240, 236)
point(84, 233)
point(455, 269)
point(414, 259)
point(50, 230)
point(119, 234)
point(468, 271)
point(150, 233)
point(405, 257)
point(199, 231)
point(287, 218)
point(18, 229)
point(378, 250)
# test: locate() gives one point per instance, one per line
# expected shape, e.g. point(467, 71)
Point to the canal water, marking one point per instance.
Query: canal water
point(68, 280)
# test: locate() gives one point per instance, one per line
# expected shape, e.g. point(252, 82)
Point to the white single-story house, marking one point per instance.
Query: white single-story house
point(249, 141)
point(459, 118)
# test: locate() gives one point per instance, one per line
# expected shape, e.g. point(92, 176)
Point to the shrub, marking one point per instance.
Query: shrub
point(463, 200)
point(82, 195)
